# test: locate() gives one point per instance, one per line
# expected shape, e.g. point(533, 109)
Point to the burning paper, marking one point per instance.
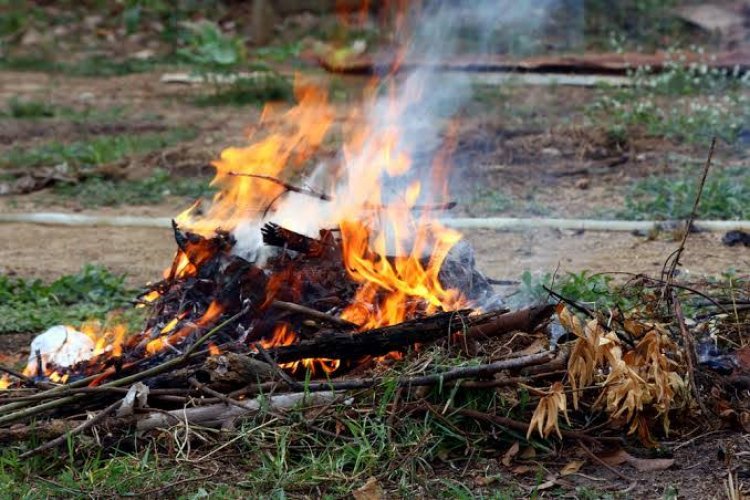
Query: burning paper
point(61, 347)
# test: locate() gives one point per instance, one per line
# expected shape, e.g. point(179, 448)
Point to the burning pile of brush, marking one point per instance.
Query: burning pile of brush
point(300, 277)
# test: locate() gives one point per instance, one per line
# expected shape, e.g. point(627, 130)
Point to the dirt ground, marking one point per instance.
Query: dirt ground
point(535, 161)
point(538, 163)
point(48, 252)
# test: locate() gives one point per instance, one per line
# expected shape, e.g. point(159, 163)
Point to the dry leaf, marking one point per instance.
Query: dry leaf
point(510, 454)
point(620, 457)
point(538, 345)
point(520, 470)
point(651, 464)
point(545, 417)
point(527, 453)
point(371, 490)
point(571, 467)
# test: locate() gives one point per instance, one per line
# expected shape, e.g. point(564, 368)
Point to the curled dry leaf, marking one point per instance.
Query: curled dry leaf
point(510, 454)
point(621, 456)
point(545, 417)
point(630, 379)
point(571, 467)
point(371, 490)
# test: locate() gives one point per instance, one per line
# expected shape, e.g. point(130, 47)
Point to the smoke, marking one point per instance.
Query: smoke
point(414, 109)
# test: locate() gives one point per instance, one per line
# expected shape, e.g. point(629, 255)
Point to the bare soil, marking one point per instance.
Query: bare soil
point(537, 160)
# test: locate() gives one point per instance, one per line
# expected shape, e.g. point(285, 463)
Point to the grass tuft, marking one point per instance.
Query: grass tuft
point(97, 192)
point(97, 151)
point(250, 91)
point(726, 195)
point(31, 305)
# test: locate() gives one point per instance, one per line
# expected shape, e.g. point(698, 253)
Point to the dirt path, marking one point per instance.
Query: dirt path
point(48, 252)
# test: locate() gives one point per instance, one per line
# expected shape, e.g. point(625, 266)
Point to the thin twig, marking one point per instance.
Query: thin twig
point(692, 361)
point(286, 185)
point(136, 377)
point(674, 259)
point(445, 377)
point(603, 463)
point(276, 368)
point(523, 426)
point(85, 425)
point(313, 313)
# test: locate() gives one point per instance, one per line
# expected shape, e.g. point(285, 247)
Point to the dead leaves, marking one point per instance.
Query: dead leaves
point(546, 415)
point(371, 490)
point(629, 380)
point(621, 456)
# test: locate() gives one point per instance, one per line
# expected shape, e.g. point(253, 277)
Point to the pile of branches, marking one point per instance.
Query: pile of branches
point(612, 375)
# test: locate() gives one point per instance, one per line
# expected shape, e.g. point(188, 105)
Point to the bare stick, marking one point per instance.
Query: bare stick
point(85, 425)
point(156, 370)
point(674, 259)
point(523, 426)
point(313, 313)
point(445, 377)
point(285, 185)
point(687, 340)
point(276, 368)
point(604, 464)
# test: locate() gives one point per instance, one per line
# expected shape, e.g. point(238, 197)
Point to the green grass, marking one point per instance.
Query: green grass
point(32, 305)
point(596, 290)
point(97, 151)
point(686, 103)
point(726, 195)
point(36, 109)
point(249, 91)
point(96, 192)
point(93, 66)
point(29, 108)
point(276, 457)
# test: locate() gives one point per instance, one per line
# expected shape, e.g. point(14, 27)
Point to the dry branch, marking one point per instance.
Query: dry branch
point(221, 415)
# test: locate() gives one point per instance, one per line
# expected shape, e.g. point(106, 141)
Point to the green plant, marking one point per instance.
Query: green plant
point(685, 102)
point(32, 305)
point(257, 90)
point(97, 151)
point(18, 108)
point(726, 195)
point(210, 49)
point(598, 290)
point(96, 192)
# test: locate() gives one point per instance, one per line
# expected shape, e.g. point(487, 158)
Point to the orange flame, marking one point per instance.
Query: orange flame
point(4, 382)
point(281, 154)
point(213, 311)
point(283, 336)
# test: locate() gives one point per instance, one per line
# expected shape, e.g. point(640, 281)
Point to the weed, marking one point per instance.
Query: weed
point(596, 290)
point(726, 195)
point(31, 305)
point(18, 108)
point(97, 151)
point(255, 91)
point(38, 109)
point(686, 102)
point(96, 192)
point(639, 22)
point(95, 66)
point(211, 50)
point(278, 53)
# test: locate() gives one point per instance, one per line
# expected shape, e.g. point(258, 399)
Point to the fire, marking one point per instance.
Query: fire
point(212, 313)
point(4, 382)
point(392, 246)
point(281, 154)
point(282, 336)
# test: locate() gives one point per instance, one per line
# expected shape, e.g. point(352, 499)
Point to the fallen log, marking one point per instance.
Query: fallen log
point(377, 342)
point(401, 337)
